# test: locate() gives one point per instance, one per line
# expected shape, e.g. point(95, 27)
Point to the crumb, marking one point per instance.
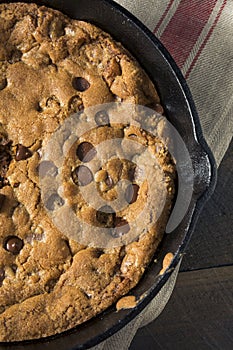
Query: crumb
point(128, 302)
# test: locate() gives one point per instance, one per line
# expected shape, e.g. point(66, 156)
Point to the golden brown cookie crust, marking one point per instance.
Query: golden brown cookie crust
point(48, 282)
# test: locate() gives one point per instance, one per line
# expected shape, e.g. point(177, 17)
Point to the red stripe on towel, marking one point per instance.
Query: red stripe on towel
point(206, 40)
point(191, 15)
point(163, 16)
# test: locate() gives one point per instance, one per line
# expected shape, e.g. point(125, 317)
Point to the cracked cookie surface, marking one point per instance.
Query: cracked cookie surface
point(50, 67)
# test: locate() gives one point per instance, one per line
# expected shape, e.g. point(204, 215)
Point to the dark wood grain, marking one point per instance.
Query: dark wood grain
point(199, 315)
point(212, 241)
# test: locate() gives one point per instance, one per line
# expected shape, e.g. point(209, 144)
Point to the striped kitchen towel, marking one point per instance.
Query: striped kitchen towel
point(198, 34)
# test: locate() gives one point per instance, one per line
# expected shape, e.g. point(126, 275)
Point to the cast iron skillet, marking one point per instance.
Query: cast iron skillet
point(181, 112)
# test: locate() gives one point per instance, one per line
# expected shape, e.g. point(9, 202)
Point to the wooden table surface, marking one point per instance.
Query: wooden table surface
point(199, 315)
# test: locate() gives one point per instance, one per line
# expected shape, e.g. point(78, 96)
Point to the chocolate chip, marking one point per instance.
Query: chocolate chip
point(50, 62)
point(5, 159)
point(109, 181)
point(131, 193)
point(88, 296)
point(50, 284)
point(14, 267)
point(106, 216)
point(2, 199)
point(98, 252)
point(4, 140)
point(4, 163)
point(15, 56)
point(13, 244)
point(159, 109)
point(121, 228)
point(54, 202)
point(2, 275)
point(80, 84)
point(86, 152)
point(22, 153)
point(102, 118)
point(131, 174)
point(39, 108)
point(47, 168)
point(3, 182)
point(132, 136)
point(82, 175)
point(3, 84)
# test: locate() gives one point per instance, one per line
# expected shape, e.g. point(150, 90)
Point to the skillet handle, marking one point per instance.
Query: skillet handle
point(205, 170)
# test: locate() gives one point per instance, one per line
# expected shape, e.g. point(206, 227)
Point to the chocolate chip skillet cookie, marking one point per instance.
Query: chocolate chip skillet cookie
point(52, 67)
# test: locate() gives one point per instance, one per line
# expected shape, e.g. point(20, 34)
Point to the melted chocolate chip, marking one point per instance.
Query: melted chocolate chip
point(106, 216)
point(2, 275)
point(54, 201)
point(5, 159)
point(109, 181)
point(82, 175)
point(86, 152)
point(131, 174)
point(121, 227)
point(22, 153)
point(2, 199)
point(102, 118)
point(47, 168)
point(131, 193)
point(13, 244)
point(3, 84)
point(80, 84)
